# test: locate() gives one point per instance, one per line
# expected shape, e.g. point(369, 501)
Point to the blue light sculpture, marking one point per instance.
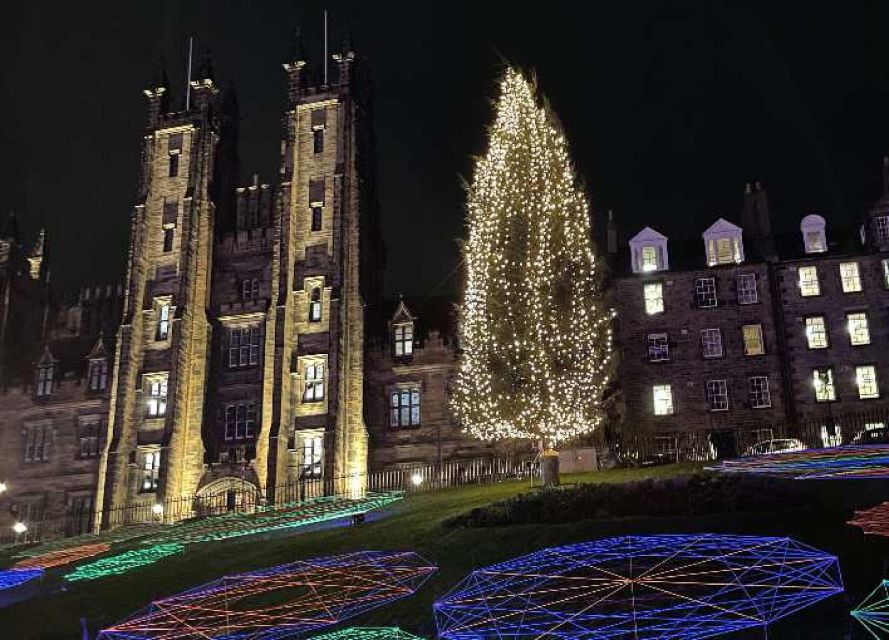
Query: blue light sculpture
point(280, 602)
point(14, 577)
point(873, 612)
point(639, 587)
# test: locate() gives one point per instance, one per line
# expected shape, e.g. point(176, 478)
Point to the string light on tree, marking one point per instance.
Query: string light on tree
point(534, 331)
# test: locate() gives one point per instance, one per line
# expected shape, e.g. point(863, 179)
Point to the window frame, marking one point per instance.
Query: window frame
point(715, 389)
point(88, 435)
point(658, 351)
point(162, 331)
point(706, 294)
point(313, 444)
point(812, 286)
point(852, 334)
point(46, 375)
point(240, 419)
point(764, 392)
point(665, 401)
point(743, 277)
point(157, 394)
point(713, 353)
point(403, 339)
point(314, 381)
point(759, 337)
point(316, 218)
point(809, 334)
point(315, 305)
point(38, 449)
point(826, 377)
point(850, 282)
point(149, 468)
point(653, 304)
point(405, 414)
point(858, 382)
point(241, 353)
point(97, 374)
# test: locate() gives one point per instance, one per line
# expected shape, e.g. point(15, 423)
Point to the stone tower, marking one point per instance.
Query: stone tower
point(155, 450)
point(239, 368)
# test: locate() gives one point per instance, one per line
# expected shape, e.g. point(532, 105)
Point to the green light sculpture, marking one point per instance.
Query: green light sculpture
point(123, 562)
point(368, 633)
point(873, 612)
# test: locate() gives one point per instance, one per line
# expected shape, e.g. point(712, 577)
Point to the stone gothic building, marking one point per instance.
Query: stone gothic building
point(249, 347)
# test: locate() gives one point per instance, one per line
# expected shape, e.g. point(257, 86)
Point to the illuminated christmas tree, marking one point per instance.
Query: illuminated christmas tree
point(534, 331)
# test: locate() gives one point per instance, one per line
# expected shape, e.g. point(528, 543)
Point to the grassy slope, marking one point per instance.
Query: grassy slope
point(410, 525)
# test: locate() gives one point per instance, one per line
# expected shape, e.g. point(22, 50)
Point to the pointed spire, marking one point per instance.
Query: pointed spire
point(39, 244)
point(611, 234)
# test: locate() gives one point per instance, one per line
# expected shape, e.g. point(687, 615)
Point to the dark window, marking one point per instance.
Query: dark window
point(171, 212)
point(88, 438)
point(318, 140)
point(250, 289)
point(404, 408)
point(705, 292)
point(243, 347)
point(45, 379)
point(168, 239)
point(316, 218)
point(38, 442)
point(240, 420)
point(97, 375)
point(315, 305)
point(174, 165)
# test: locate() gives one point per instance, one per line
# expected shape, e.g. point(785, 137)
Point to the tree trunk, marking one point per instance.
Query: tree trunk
point(549, 468)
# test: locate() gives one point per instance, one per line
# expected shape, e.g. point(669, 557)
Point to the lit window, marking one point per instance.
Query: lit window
point(240, 420)
point(760, 396)
point(157, 397)
point(663, 399)
point(808, 281)
point(724, 251)
point(38, 442)
point(650, 260)
point(151, 464)
point(250, 290)
point(822, 379)
point(404, 408)
point(885, 263)
point(313, 456)
point(45, 380)
point(404, 339)
point(315, 305)
point(97, 374)
point(816, 332)
point(163, 321)
point(711, 343)
point(859, 332)
point(658, 347)
point(747, 293)
point(717, 395)
point(814, 241)
point(866, 379)
point(753, 345)
point(881, 229)
point(850, 277)
point(243, 346)
point(314, 382)
point(705, 292)
point(653, 294)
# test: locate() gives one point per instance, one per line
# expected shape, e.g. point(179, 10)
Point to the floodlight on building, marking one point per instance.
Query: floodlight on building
point(157, 508)
point(19, 527)
point(416, 479)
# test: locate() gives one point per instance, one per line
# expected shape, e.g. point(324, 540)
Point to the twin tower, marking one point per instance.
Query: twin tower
point(240, 354)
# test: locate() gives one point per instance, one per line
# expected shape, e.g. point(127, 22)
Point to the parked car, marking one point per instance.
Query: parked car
point(776, 445)
point(879, 435)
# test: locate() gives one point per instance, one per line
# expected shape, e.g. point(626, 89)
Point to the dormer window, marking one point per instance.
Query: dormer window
point(45, 378)
point(404, 339)
point(97, 374)
point(814, 238)
point(723, 243)
point(648, 251)
point(881, 229)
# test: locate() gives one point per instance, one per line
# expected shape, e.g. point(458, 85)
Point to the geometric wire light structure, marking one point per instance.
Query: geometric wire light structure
point(281, 601)
point(873, 521)
point(636, 587)
point(849, 462)
point(123, 562)
point(14, 577)
point(873, 612)
point(63, 556)
point(368, 633)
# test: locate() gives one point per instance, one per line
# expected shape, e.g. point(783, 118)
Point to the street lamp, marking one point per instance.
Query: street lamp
point(19, 527)
point(157, 508)
point(416, 479)
point(2, 488)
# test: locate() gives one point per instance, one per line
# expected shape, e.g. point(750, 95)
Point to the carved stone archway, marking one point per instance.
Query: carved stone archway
point(225, 495)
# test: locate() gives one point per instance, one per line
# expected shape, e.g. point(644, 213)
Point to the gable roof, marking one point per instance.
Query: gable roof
point(722, 227)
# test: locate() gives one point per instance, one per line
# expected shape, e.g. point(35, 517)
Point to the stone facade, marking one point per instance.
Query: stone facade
point(700, 342)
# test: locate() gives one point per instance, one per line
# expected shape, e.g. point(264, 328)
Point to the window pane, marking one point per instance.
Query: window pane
point(654, 298)
point(808, 281)
point(859, 332)
point(752, 340)
point(850, 277)
point(866, 378)
point(663, 399)
point(816, 332)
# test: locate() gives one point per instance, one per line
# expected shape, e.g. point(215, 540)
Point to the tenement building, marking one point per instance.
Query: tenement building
point(755, 334)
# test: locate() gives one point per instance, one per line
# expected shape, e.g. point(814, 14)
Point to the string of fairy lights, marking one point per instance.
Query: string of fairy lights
point(535, 335)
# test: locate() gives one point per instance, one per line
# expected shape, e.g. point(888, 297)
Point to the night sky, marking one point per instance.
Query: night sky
point(670, 107)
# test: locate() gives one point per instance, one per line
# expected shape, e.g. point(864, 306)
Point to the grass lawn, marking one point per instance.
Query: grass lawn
point(415, 524)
